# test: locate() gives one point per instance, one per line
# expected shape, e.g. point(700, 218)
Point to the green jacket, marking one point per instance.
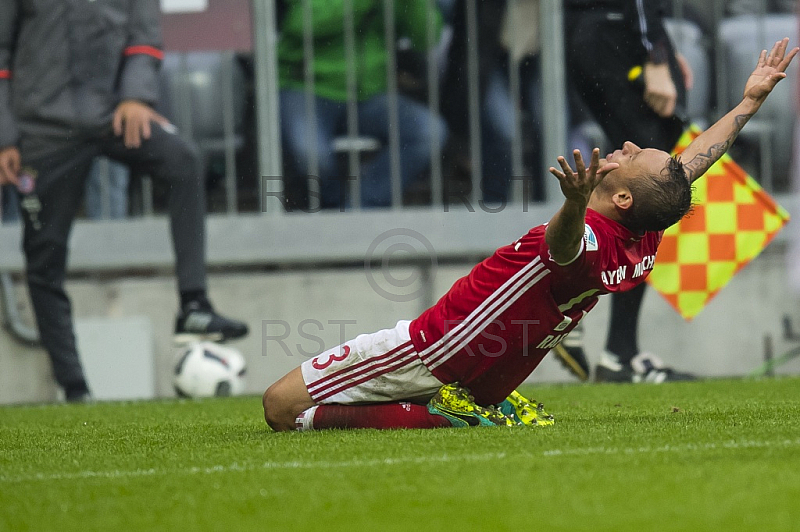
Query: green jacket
point(330, 60)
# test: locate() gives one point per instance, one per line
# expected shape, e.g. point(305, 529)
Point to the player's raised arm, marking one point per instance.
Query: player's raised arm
point(565, 230)
point(706, 149)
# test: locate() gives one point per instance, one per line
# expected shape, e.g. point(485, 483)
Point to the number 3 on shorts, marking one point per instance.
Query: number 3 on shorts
point(317, 364)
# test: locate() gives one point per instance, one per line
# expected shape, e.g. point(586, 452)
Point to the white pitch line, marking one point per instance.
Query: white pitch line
point(445, 458)
point(682, 448)
point(295, 464)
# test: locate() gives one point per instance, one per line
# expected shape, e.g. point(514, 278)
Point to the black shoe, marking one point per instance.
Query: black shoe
point(605, 372)
point(644, 367)
point(197, 321)
point(78, 393)
point(572, 356)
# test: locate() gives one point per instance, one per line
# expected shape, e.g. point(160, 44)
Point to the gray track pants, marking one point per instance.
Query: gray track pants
point(62, 165)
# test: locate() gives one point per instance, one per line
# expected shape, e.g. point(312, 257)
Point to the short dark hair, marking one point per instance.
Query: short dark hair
point(660, 201)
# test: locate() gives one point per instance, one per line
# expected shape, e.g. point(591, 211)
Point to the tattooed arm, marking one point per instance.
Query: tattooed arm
point(712, 143)
point(706, 149)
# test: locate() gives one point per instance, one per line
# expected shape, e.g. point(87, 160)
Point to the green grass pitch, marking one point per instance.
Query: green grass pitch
point(712, 455)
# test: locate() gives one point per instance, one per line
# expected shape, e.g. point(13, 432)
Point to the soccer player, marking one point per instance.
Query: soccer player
point(468, 353)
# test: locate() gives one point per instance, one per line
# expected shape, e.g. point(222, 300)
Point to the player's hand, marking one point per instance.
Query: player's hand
point(9, 165)
point(771, 68)
point(132, 120)
point(660, 93)
point(578, 185)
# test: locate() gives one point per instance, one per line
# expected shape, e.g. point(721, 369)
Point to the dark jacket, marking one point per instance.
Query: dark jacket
point(644, 22)
point(66, 64)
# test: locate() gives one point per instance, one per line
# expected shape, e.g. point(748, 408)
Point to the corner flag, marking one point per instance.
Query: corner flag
point(733, 220)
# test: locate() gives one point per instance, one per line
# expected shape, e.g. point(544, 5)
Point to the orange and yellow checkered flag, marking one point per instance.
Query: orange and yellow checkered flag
point(733, 220)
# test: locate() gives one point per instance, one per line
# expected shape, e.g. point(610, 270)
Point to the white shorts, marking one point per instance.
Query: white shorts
point(372, 368)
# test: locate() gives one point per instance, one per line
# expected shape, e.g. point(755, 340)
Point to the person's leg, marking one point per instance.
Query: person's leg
point(166, 156)
point(622, 339)
point(622, 361)
point(497, 132)
point(307, 137)
point(359, 384)
point(285, 400)
point(417, 128)
point(531, 91)
point(48, 212)
point(288, 406)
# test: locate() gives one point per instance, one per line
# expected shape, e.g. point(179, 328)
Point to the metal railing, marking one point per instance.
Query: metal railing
point(271, 236)
point(188, 108)
point(716, 73)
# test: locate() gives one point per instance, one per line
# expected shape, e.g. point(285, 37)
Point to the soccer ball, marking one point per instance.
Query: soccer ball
point(206, 369)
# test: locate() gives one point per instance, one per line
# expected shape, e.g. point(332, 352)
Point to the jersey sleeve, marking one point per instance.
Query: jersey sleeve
point(583, 260)
point(143, 53)
point(8, 21)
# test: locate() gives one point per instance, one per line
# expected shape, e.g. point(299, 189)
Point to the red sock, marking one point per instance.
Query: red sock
point(378, 416)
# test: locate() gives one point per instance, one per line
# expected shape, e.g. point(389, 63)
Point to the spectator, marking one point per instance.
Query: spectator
point(78, 80)
point(302, 136)
point(500, 41)
point(607, 42)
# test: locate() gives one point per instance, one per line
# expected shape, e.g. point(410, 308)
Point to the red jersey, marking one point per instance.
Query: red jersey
point(495, 325)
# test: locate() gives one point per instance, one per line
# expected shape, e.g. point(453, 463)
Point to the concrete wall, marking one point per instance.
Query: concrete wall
point(727, 338)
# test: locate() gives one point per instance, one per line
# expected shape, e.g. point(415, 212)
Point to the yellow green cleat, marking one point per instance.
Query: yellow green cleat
point(525, 412)
point(458, 406)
